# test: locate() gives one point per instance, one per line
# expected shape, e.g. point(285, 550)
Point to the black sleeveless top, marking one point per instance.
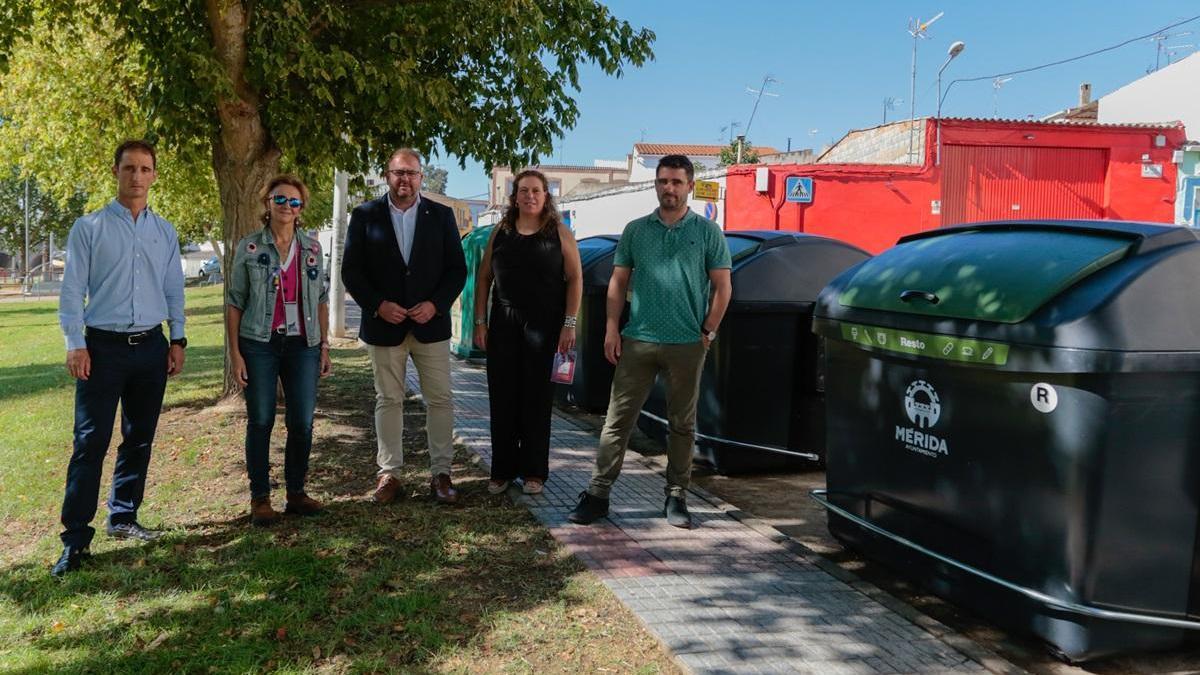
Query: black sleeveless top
point(528, 273)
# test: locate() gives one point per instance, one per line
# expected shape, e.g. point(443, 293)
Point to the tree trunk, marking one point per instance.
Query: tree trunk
point(218, 249)
point(245, 155)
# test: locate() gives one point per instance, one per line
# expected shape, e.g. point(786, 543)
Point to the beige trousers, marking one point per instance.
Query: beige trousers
point(433, 368)
point(639, 364)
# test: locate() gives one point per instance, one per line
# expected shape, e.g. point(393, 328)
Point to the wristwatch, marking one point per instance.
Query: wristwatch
point(182, 342)
point(711, 334)
point(480, 322)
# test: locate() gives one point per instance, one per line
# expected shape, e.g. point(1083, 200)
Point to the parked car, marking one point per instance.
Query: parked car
point(210, 267)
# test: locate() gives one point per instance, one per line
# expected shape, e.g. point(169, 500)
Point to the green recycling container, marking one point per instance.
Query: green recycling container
point(462, 318)
point(1013, 420)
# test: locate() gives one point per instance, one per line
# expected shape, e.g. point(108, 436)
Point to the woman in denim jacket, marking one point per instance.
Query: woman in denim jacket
point(277, 306)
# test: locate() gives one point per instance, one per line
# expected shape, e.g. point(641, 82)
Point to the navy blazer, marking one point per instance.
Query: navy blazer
point(374, 270)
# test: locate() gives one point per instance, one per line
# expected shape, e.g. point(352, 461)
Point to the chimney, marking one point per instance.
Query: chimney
point(1085, 94)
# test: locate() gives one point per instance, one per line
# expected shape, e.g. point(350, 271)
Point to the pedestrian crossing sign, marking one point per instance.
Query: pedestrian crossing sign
point(799, 189)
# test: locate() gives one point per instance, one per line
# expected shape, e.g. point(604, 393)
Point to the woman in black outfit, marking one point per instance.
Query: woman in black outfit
point(534, 261)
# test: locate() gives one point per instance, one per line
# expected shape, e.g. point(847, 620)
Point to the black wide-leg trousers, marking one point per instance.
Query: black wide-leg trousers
point(520, 356)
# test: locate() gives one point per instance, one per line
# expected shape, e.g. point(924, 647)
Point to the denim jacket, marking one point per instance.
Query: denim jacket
point(250, 287)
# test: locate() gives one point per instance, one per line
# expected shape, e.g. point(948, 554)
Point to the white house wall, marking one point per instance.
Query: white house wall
point(610, 211)
point(1170, 93)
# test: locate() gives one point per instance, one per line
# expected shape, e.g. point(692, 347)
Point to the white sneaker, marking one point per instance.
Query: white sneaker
point(533, 486)
point(497, 487)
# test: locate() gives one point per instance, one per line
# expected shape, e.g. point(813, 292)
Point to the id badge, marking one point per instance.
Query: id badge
point(291, 318)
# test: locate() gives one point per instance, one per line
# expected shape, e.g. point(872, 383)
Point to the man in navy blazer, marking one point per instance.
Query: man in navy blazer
point(404, 266)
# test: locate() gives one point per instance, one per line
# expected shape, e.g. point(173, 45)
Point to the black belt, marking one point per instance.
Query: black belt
point(128, 338)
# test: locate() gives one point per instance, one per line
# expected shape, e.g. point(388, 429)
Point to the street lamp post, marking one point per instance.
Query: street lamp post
point(955, 49)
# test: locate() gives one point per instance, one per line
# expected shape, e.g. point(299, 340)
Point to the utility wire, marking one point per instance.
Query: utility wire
point(1069, 60)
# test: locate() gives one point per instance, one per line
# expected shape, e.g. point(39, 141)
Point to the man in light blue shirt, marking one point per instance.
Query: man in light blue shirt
point(122, 280)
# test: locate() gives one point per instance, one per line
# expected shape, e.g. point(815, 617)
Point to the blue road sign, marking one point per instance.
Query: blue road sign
point(799, 189)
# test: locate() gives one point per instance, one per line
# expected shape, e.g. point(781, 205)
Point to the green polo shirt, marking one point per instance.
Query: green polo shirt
point(670, 275)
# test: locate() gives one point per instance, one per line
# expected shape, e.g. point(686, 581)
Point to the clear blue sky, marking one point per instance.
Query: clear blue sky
point(837, 61)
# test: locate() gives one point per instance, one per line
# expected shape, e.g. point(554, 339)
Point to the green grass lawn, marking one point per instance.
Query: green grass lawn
point(360, 588)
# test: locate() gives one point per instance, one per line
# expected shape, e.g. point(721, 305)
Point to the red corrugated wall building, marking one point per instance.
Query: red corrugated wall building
point(989, 170)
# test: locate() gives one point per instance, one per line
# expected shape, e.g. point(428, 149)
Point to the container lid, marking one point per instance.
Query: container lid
point(741, 247)
point(790, 267)
point(591, 248)
point(596, 257)
point(997, 273)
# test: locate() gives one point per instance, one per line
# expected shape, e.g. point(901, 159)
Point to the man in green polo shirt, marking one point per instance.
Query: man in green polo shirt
point(682, 289)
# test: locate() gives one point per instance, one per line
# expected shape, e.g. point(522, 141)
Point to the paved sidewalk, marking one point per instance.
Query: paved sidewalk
point(724, 597)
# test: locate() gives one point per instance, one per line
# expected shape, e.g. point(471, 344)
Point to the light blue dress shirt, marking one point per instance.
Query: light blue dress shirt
point(121, 275)
point(405, 224)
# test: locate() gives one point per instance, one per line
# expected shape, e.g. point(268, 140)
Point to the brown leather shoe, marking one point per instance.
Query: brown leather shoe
point(261, 513)
point(385, 492)
point(443, 490)
point(301, 504)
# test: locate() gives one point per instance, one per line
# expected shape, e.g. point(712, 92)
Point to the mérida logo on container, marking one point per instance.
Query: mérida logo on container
point(923, 408)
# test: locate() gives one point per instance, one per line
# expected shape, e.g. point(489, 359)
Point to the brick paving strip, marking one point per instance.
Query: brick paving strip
point(731, 595)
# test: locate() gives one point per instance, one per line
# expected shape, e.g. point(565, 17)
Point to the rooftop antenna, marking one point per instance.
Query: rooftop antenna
point(996, 84)
point(1174, 50)
point(731, 126)
point(759, 93)
point(889, 103)
point(1158, 41)
point(917, 29)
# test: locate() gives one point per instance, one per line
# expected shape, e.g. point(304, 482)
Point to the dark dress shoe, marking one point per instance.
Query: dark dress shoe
point(300, 504)
point(443, 490)
point(676, 511)
point(589, 510)
point(131, 531)
point(70, 560)
point(385, 492)
point(261, 513)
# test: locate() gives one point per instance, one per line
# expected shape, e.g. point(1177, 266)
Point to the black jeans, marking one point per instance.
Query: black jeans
point(136, 377)
point(520, 356)
point(298, 365)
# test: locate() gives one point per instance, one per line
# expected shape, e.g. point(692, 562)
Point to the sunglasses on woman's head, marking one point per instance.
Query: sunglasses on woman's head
point(292, 202)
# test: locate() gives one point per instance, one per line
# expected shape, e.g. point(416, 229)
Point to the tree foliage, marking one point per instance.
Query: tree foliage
point(71, 93)
point(435, 179)
point(48, 216)
point(313, 84)
point(729, 154)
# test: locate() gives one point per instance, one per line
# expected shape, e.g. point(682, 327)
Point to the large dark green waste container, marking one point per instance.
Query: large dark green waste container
point(593, 372)
point(1014, 420)
point(761, 405)
point(462, 320)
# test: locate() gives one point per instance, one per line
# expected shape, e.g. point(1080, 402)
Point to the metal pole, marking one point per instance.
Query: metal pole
point(26, 276)
point(938, 158)
point(741, 139)
point(337, 292)
point(912, 98)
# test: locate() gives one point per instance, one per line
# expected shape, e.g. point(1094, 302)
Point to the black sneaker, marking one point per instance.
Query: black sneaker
point(131, 531)
point(70, 560)
point(675, 509)
point(589, 510)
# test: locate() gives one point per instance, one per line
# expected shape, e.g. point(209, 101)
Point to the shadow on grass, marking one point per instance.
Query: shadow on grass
point(10, 308)
point(383, 589)
point(202, 373)
point(359, 586)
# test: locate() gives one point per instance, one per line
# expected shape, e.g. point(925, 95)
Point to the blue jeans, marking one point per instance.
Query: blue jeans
point(291, 360)
point(136, 377)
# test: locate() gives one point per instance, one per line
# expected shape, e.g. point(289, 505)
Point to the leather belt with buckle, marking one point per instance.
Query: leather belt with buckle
point(128, 338)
